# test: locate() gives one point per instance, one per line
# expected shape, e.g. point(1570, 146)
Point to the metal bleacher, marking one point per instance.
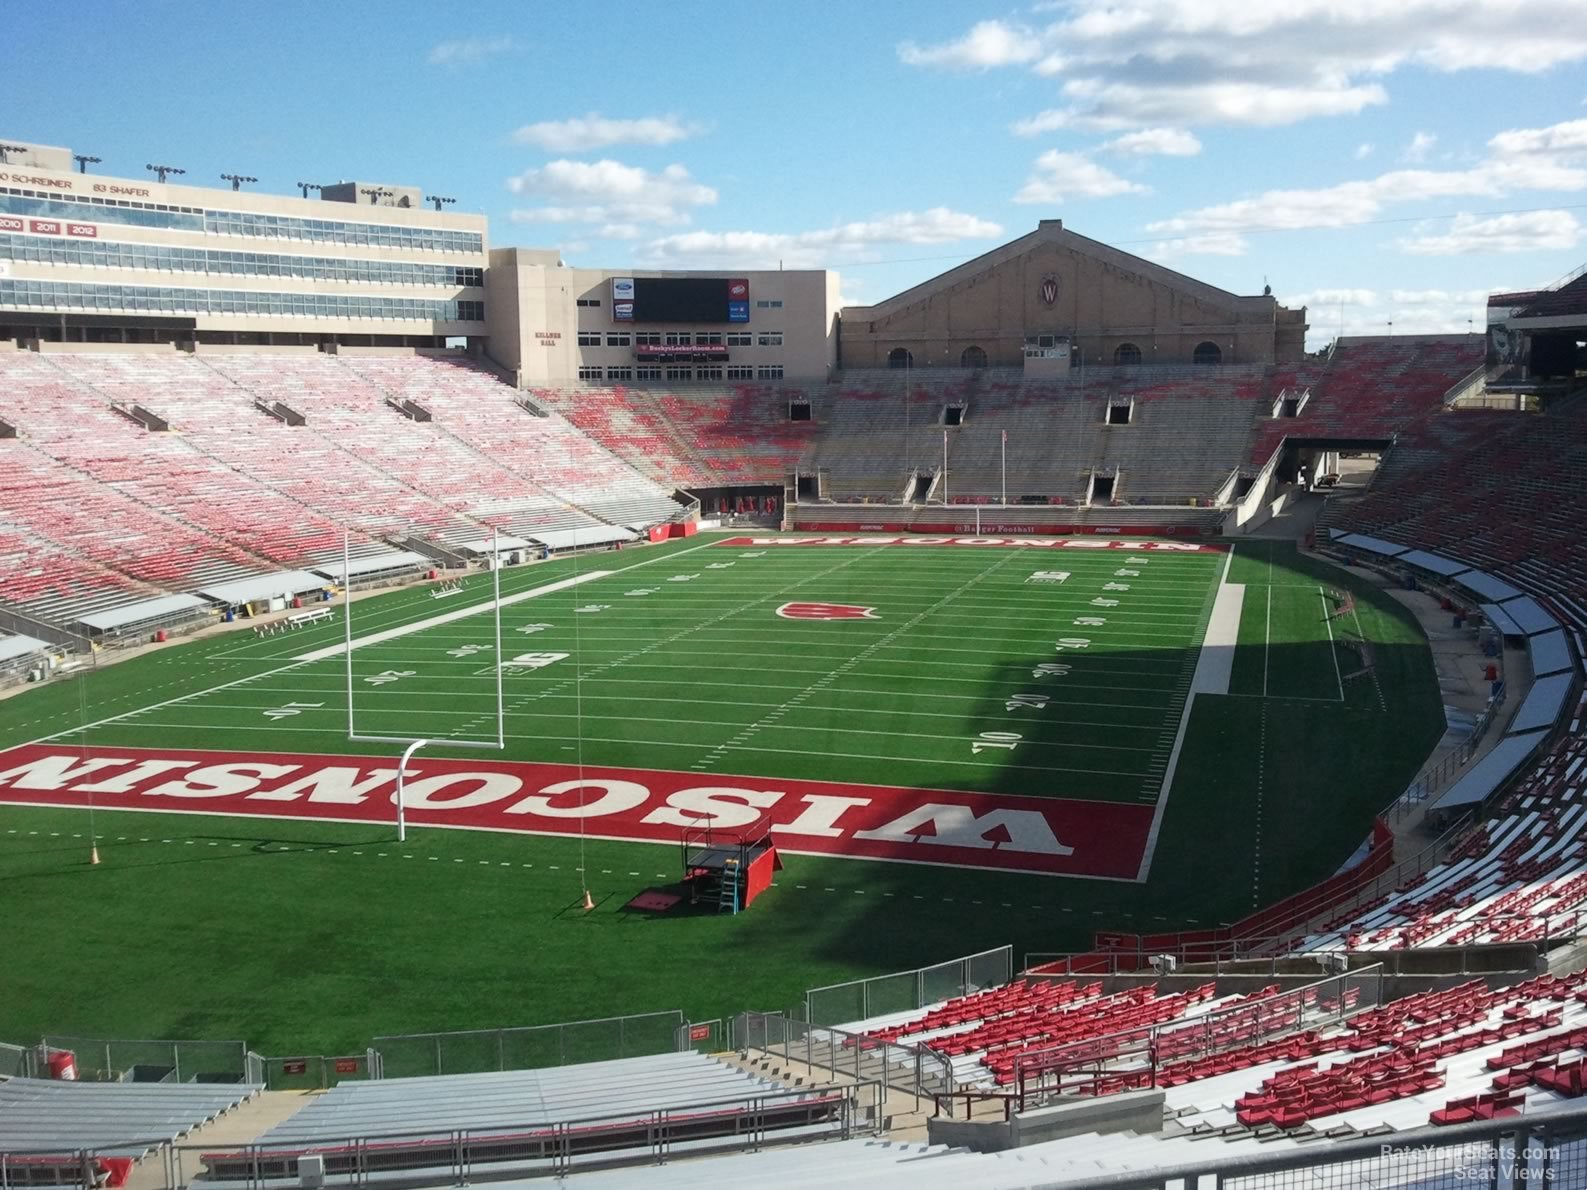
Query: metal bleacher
point(523, 1119)
point(44, 1116)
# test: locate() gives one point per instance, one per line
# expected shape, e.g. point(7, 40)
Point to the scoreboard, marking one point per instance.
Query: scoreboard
point(680, 299)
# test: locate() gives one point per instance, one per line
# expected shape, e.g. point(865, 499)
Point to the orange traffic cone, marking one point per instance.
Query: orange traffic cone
point(588, 903)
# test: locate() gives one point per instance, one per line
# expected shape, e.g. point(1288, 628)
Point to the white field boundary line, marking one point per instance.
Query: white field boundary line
point(375, 638)
point(1149, 852)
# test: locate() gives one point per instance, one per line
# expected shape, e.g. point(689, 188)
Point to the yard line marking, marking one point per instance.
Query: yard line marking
point(1333, 649)
point(462, 613)
point(1267, 639)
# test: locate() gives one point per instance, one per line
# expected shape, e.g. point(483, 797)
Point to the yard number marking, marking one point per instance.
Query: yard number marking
point(1020, 701)
point(291, 708)
point(389, 675)
point(995, 739)
point(1050, 669)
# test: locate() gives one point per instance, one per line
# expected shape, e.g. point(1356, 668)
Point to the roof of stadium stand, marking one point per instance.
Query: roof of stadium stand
point(1485, 585)
point(1433, 563)
point(1550, 652)
point(278, 584)
point(19, 646)
point(1372, 545)
point(139, 612)
point(1529, 615)
point(372, 563)
point(1543, 703)
point(1485, 777)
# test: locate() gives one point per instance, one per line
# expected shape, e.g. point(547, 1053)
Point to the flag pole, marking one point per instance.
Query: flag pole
point(945, 466)
point(1005, 468)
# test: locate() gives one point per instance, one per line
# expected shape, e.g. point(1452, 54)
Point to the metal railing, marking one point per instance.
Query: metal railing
point(458, 1155)
point(1542, 1150)
point(1437, 775)
point(904, 991)
point(100, 1060)
point(474, 1050)
point(910, 1070)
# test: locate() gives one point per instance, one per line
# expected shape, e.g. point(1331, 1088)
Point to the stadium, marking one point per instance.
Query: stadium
point(1057, 729)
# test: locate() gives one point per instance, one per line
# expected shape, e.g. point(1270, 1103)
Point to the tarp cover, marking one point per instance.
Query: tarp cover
point(1489, 773)
point(1530, 615)
point(1433, 563)
point(1500, 619)
point(1372, 545)
point(1487, 587)
point(1550, 653)
point(1542, 704)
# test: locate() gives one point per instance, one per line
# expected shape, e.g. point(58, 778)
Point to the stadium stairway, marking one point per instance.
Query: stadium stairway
point(240, 1126)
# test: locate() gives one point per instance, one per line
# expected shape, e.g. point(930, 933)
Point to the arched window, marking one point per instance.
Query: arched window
point(1126, 353)
point(1207, 353)
point(972, 357)
point(900, 357)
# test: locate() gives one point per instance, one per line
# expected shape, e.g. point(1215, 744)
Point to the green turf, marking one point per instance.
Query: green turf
point(315, 937)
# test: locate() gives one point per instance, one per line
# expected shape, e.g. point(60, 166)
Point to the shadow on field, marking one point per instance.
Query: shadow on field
point(1245, 825)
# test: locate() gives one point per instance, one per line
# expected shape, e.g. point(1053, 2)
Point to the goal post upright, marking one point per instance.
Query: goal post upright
point(412, 744)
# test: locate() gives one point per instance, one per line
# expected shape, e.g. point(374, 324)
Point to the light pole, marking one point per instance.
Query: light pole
point(306, 187)
point(84, 161)
point(161, 171)
point(439, 200)
point(237, 180)
point(375, 193)
point(8, 149)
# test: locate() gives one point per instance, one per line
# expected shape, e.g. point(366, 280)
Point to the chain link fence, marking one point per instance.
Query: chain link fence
point(905, 991)
point(155, 1061)
point(16, 1061)
point(476, 1050)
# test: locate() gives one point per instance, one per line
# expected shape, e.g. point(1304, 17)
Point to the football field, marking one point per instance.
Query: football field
point(955, 742)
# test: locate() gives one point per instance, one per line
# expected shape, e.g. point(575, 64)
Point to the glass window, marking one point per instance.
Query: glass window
point(771, 339)
point(589, 373)
point(740, 339)
point(676, 373)
point(769, 372)
point(589, 338)
point(740, 372)
point(617, 339)
point(647, 372)
point(709, 373)
point(677, 338)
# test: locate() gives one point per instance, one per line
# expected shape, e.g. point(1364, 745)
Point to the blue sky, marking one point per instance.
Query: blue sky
point(1378, 162)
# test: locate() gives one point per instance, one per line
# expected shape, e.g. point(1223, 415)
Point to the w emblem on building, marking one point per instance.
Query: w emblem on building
point(826, 611)
point(1049, 289)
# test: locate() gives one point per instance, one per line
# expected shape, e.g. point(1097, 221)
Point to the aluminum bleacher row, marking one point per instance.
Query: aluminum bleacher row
point(44, 1124)
point(99, 509)
point(526, 1118)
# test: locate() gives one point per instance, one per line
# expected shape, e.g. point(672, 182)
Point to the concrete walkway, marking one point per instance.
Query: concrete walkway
point(241, 1126)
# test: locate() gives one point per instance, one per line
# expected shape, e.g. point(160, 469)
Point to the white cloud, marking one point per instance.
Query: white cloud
point(1529, 231)
point(1363, 151)
point(1421, 145)
point(1568, 137)
point(1166, 142)
point(1148, 63)
point(987, 44)
point(465, 51)
point(811, 249)
point(608, 192)
point(1057, 176)
point(1348, 203)
point(583, 134)
point(1217, 243)
point(1332, 298)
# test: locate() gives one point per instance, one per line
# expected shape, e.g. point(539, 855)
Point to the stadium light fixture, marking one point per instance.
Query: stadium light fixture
point(163, 170)
point(5, 150)
point(375, 193)
point(84, 161)
point(439, 200)
point(237, 180)
point(306, 187)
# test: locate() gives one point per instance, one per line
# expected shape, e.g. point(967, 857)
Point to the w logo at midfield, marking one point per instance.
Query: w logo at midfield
point(826, 611)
